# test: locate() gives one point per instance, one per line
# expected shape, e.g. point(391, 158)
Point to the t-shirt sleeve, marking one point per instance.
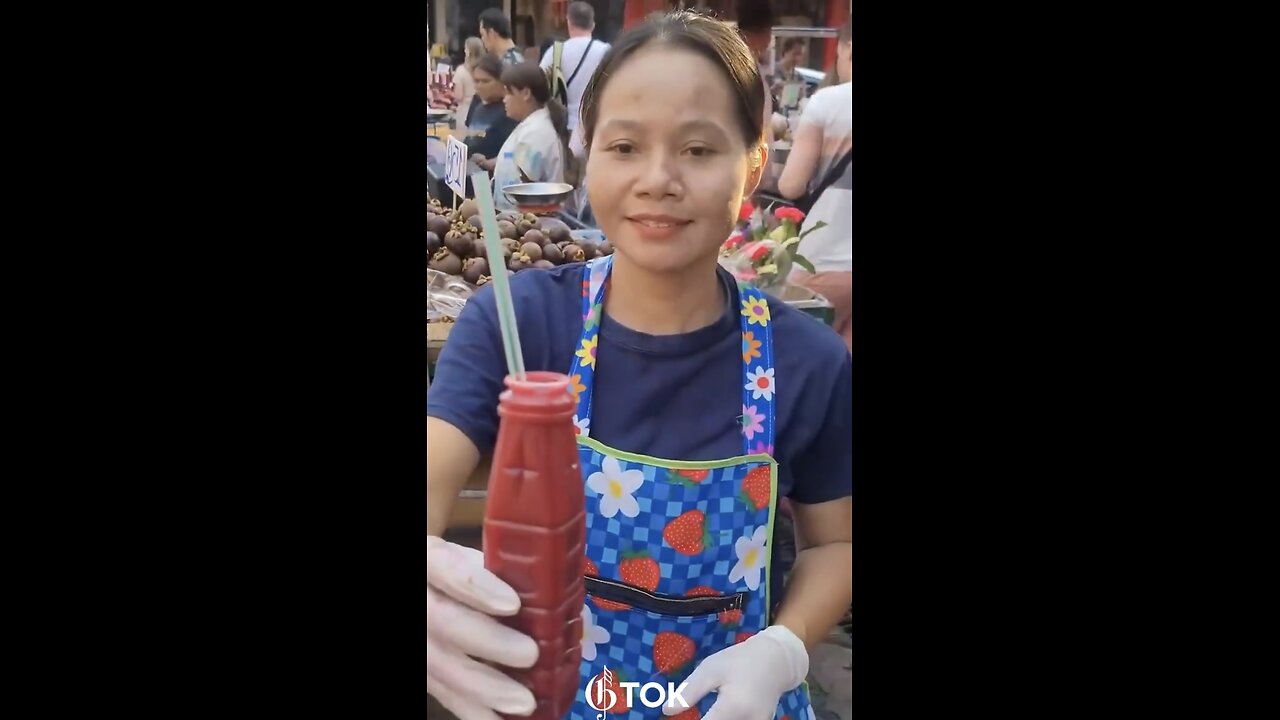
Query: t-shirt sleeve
point(818, 109)
point(470, 372)
point(824, 470)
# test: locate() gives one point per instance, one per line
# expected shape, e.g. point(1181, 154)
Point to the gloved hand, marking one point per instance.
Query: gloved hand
point(749, 677)
point(462, 597)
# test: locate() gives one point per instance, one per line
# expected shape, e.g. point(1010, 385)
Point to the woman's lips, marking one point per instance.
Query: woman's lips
point(657, 227)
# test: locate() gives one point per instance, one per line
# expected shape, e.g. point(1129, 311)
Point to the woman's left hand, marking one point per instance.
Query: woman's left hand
point(749, 677)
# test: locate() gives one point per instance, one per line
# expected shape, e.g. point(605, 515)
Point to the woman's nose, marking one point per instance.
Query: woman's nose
point(658, 176)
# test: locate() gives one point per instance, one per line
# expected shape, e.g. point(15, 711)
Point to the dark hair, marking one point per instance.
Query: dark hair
point(582, 15)
point(700, 34)
point(491, 65)
point(529, 76)
point(497, 21)
point(754, 15)
point(791, 43)
point(846, 31)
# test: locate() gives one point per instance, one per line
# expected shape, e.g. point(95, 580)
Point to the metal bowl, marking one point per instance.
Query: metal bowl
point(538, 194)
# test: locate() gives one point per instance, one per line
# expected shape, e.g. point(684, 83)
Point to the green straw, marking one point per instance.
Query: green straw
point(498, 275)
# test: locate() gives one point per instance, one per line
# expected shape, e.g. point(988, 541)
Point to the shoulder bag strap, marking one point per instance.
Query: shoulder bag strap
point(584, 59)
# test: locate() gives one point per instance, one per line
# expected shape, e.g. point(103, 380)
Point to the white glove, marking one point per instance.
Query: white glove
point(748, 678)
point(461, 598)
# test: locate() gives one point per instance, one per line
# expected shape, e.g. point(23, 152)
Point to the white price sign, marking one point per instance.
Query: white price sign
point(455, 167)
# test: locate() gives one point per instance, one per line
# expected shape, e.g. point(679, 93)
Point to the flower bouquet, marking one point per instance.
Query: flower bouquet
point(765, 246)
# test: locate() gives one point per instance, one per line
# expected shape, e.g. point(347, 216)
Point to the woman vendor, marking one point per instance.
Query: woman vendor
point(722, 400)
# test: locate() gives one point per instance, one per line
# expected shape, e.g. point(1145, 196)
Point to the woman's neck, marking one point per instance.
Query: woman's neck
point(661, 303)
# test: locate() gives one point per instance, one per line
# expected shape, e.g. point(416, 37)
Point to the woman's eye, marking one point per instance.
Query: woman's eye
point(622, 148)
point(700, 151)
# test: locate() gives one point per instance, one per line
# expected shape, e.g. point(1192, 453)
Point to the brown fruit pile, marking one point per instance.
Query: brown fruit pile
point(455, 242)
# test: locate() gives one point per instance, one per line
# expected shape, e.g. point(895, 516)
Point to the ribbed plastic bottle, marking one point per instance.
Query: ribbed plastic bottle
point(535, 532)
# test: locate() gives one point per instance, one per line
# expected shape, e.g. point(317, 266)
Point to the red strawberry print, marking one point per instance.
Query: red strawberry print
point(690, 714)
point(741, 637)
point(592, 571)
point(672, 652)
point(728, 618)
point(756, 487)
point(688, 534)
point(688, 478)
point(640, 570)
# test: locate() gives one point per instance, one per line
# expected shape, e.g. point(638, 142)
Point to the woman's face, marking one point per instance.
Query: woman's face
point(519, 103)
point(487, 87)
point(668, 166)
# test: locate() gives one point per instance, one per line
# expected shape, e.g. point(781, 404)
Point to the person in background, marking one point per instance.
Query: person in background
point(579, 59)
point(823, 138)
point(538, 148)
point(495, 31)
point(487, 122)
point(755, 25)
point(464, 84)
point(792, 52)
point(531, 54)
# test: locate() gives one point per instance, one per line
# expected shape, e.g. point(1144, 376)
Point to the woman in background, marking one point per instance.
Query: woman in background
point(538, 149)
point(464, 84)
point(487, 123)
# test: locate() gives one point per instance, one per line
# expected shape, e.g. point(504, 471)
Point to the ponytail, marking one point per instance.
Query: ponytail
point(572, 171)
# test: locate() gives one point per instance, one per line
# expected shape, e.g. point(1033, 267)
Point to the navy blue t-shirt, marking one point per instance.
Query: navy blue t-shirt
point(672, 396)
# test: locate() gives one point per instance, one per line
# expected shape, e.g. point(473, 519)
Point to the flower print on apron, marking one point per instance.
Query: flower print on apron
point(678, 562)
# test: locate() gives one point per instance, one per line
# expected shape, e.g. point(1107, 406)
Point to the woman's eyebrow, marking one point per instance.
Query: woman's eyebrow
point(701, 124)
point(685, 126)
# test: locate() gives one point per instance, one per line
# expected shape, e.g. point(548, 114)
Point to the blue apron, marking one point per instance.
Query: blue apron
point(677, 552)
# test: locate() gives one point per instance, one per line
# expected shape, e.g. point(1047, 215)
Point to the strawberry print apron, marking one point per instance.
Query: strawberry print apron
point(677, 552)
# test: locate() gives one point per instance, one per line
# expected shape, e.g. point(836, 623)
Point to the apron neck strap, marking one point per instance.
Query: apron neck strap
point(757, 418)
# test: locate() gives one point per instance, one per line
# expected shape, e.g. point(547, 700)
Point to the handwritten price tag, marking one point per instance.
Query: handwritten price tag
point(455, 167)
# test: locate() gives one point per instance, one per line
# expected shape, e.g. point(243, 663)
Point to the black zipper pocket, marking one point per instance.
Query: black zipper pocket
point(663, 604)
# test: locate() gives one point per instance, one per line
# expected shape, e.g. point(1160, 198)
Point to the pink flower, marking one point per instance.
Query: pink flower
point(751, 421)
point(761, 449)
point(745, 211)
point(760, 252)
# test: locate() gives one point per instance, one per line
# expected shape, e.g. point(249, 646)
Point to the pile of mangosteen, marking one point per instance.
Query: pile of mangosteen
point(455, 242)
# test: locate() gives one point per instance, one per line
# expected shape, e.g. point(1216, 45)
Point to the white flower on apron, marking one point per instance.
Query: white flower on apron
point(615, 488)
point(760, 383)
point(751, 558)
point(592, 635)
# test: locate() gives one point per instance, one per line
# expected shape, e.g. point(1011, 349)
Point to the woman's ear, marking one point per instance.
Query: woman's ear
point(757, 161)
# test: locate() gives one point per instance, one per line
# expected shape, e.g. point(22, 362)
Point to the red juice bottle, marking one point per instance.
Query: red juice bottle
point(535, 532)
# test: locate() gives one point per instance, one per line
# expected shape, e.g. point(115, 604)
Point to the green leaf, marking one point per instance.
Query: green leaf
point(815, 226)
point(793, 242)
point(803, 262)
point(708, 540)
